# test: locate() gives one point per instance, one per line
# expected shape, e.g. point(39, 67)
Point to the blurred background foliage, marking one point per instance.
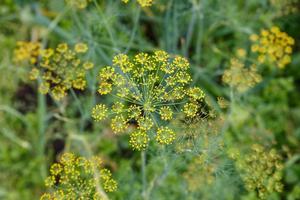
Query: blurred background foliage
point(35, 128)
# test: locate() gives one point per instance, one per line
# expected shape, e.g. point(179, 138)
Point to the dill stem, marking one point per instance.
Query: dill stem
point(143, 170)
point(41, 131)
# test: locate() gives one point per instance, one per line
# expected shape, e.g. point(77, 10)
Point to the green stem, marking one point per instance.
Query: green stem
point(41, 130)
point(232, 99)
point(199, 41)
point(144, 181)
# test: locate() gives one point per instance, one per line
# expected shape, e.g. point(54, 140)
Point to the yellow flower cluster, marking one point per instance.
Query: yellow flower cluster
point(149, 90)
point(78, 178)
point(143, 3)
point(261, 170)
point(99, 112)
point(139, 140)
point(27, 52)
point(80, 4)
point(239, 77)
point(273, 46)
point(58, 69)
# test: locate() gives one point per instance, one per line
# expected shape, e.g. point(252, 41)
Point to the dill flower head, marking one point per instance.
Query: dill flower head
point(58, 69)
point(239, 77)
point(149, 91)
point(139, 140)
point(165, 135)
point(190, 109)
point(143, 3)
point(119, 124)
point(166, 113)
point(273, 46)
point(99, 112)
point(79, 4)
point(81, 48)
point(27, 52)
point(78, 178)
point(63, 69)
point(260, 169)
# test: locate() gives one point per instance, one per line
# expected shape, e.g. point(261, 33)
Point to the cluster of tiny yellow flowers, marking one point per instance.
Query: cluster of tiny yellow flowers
point(273, 46)
point(58, 69)
point(99, 112)
point(80, 4)
point(143, 3)
point(27, 52)
point(78, 178)
point(165, 135)
point(261, 170)
point(139, 140)
point(149, 90)
point(239, 77)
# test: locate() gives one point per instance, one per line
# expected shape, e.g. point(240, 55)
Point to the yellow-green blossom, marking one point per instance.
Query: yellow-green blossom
point(148, 88)
point(105, 88)
point(145, 123)
point(99, 112)
point(195, 93)
point(166, 113)
point(260, 169)
point(81, 48)
point(78, 178)
point(239, 77)
point(58, 69)
point(27, 52)
point(119, 124)
point(273, 46)
point(139, 140)
point(190, 109)
point(165, 135)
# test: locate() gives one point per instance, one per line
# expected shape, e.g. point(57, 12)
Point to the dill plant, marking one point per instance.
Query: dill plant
point(153, 98)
